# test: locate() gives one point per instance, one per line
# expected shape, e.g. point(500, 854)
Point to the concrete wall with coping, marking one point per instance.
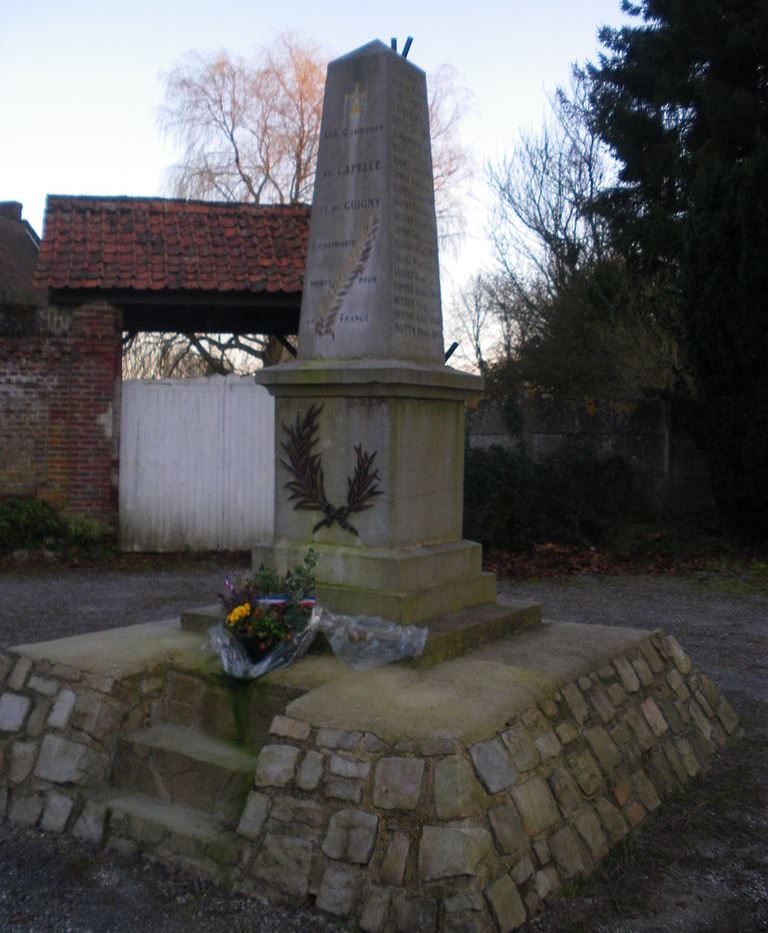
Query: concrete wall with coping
point(652, 435)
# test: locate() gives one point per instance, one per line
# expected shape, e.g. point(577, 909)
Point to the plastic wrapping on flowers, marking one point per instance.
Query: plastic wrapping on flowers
point(364, 642)
point(235, 660)
point(360, 642)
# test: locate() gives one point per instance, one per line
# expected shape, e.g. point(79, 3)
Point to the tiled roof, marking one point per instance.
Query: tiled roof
point(156, 244)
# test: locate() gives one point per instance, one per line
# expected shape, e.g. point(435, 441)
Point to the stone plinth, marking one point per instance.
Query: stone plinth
point(401, 555)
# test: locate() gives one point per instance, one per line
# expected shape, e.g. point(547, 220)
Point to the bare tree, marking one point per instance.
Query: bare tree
point(249, 131)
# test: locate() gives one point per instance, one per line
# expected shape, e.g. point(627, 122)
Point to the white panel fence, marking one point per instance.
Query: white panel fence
point(196, 464)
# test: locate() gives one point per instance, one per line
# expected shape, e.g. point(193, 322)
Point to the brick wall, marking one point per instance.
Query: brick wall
point(59, 409)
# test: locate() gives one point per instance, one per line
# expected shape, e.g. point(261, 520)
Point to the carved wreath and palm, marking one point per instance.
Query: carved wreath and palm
point(307, 488)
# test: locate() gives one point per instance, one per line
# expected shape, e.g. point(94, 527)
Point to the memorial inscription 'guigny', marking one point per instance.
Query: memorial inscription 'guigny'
point(372, 286)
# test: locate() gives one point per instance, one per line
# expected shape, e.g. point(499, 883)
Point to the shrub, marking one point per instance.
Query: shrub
point(570, 496)
point(27, 522)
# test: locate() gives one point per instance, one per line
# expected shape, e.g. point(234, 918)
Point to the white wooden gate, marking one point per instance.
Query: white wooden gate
point(196, 464)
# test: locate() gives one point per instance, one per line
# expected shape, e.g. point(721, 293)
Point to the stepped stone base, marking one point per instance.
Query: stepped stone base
point(460, 796)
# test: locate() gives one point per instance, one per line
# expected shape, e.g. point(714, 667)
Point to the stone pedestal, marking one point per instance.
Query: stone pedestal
point(401, 555)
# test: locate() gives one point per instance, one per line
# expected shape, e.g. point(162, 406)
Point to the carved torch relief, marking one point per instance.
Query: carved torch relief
point(305, 465)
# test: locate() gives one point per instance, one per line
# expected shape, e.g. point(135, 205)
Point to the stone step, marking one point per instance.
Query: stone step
point(454, 634)
point(231, 710)
point(171, 833)
point(187, 767)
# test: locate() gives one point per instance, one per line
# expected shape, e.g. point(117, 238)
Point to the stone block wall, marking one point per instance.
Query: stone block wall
point(60, 374)
point(429, 835)
point(57, 732)
point(440, 835)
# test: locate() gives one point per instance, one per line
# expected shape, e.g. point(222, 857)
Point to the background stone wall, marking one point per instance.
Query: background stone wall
point(654, 436)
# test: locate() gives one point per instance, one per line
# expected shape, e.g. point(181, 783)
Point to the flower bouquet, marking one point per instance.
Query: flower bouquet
point(266, 618)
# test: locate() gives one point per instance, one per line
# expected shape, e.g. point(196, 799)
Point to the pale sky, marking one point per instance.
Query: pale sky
point(81, 80)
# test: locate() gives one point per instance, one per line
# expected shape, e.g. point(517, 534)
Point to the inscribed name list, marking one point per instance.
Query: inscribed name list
point(372, 284)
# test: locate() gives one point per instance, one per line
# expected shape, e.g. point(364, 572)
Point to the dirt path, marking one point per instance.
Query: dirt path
point(699, 866)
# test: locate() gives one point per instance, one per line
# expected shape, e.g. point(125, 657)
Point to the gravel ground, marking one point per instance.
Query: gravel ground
point(698, 866)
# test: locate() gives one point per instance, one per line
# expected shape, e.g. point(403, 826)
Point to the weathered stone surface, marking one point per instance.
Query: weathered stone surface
point(727, 716)
point(640, 727)
point(588, 827)
point(603, 706)
point(13, 710)
point(568, 795)
point(567, 853)
point(90, 824)
point(63, 761)
point(397, 783)
point(285, 862)
point(373, 916)
point(338, 738)
point(293, 810)
point(702, 701)
point(415, 914)
point(643, 671)
point(6, 664)
point(99, 682)
point(547, 882)
point(57, 810)
point(645, 790)
point(311, 771)
point(550, 709)
point(654, 717)
point(457, 791)
point(493, 765)
point(62, 709)
point(602, 745)
point(622, 788)
point(681, 660)
point(25, 810)
point(541, 850)
point(343, 789)
point(576, 703)
point(19, 674)
point(395, 858)
point(44, 685)
point(338, 890)
point(616, 694)
point(534, 720)
point(254, 815)
point(627, 674)
point(698, 716)
point(354, 768)
point(97, 715)
point(612, 819)
point(289, 728)
point(447, 851)
point(690, 762)
point(548, 745)
point(23, 755)
point(35, 725)
point(676, 762)
point(276, 765)
point(566, 732)
point(677, 683)
point(585, 770)
point(372, 743)
point(523, 870)
point(536, 806)
point(351, 836)
point(521, 747)
point(506, 904)
point(635, 813)
point(652, 656)
point(508, 831)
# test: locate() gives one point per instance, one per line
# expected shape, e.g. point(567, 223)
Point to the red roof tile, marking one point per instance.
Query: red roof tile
point(162, 244)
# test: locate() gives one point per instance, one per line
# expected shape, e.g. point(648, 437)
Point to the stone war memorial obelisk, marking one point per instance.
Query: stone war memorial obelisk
point(369, 419)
